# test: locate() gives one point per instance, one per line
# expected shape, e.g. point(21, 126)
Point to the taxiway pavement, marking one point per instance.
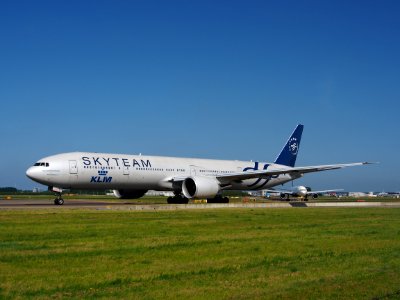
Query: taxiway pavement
point(115, 205)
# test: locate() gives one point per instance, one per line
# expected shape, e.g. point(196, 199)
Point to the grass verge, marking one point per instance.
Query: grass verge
point(314, 253)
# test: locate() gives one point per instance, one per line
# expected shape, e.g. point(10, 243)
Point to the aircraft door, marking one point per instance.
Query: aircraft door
point(192, 171)
point(73, 171)
point(73, 167)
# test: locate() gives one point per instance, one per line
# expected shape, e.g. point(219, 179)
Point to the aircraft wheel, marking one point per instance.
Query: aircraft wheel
point(218, 199)
point(181, 200)
point(177, 200)
point(59, 201)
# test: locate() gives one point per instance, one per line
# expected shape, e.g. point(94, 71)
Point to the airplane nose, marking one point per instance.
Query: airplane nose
point(36, 175)
point(302, 191)
point(30, 173)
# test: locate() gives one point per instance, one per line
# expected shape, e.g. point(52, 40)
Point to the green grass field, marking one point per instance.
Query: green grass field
point(335, 253)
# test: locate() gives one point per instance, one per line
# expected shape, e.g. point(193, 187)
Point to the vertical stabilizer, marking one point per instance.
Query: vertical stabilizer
point(289, 152)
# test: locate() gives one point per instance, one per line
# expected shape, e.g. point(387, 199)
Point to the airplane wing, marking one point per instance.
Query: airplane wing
point(239, 176)
point(325, 191)
point(279, 191)
point(296, 170)
point(308, 192)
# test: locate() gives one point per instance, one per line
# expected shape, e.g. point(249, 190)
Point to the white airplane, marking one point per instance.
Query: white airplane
point(300, 191)
point(131, 176)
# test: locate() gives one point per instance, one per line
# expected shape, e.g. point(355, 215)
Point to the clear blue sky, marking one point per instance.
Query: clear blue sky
point(212, 79)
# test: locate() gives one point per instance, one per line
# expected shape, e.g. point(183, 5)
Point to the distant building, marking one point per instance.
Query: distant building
point(361, 194)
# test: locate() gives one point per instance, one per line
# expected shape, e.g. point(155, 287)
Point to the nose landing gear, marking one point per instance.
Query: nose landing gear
point(59, 200)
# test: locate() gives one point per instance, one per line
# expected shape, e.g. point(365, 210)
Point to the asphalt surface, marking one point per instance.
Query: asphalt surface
point(124, 205)
point(70, 203)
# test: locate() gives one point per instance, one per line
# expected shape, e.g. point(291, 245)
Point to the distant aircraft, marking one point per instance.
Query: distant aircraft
point(300, 191)
point(383, 194)
point(131, 176)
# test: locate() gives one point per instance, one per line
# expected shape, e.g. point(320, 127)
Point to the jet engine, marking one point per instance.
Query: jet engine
point(315, 196)
point(283, 196)
point(129, 194)
point(200, 187)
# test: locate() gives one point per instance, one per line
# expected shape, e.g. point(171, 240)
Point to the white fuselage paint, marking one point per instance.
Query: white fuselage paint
point(86, 170)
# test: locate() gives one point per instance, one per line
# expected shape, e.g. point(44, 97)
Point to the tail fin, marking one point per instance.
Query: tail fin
point(288, 154)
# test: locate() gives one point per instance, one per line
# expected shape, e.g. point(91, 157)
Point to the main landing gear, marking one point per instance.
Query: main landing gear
point(218, 199)
point(177, 199)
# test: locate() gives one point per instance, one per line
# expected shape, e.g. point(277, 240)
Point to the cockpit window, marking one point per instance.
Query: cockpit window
point(41, 164)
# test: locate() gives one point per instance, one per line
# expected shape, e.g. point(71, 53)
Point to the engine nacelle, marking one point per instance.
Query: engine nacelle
point(315, 196)
point(283, 196)
point(200, 187)
point(129, 194)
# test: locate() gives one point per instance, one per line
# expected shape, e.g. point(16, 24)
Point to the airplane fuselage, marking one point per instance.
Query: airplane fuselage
point(86, 170)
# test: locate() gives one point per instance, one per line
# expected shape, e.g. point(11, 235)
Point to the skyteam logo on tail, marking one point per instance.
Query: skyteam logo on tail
point(102, 178)
point(289, 152)
point(293, 146)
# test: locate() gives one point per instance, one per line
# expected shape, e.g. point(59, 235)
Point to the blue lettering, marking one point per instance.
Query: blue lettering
point(96, 161)
point(107, 160)
point(135, 163)
point(86, 161)
point(116, 160)
point(126, 162)
point(99, 179)
point(146, 163)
